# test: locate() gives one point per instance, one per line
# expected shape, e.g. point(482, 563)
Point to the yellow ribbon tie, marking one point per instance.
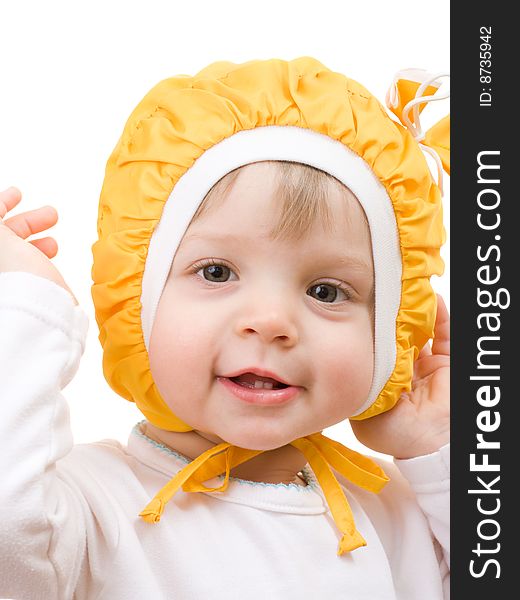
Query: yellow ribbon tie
point(219, 459)
point(216, 465)
point(407, 97)
point(321, 452)
point(438, 138)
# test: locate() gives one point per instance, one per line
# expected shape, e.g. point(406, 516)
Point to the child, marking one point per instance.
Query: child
point(266, 238)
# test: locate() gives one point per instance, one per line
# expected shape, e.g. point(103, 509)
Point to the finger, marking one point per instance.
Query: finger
point(9, 198)
point(441, 340)
point(47, 245)
point(33, 221)
point(425, 351)
point(423, 368)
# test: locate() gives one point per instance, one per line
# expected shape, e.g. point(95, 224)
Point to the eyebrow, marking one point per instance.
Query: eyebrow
point(352, 261)
point(222, 237)
point(348, 260)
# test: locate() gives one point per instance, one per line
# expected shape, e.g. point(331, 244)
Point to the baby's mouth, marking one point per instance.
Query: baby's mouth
point(251, 380)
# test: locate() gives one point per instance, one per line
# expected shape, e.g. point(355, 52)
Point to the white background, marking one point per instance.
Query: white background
point(71, 73)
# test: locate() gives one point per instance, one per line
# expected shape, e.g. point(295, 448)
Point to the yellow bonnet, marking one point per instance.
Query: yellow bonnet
point(188, 132)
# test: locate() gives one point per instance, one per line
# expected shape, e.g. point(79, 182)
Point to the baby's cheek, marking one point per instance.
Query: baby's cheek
point(182, 330)
point(176, 357)
point(349, 373)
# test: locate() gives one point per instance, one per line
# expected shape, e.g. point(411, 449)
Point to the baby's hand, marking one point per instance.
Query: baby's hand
point(16, 254)
point(420, 421)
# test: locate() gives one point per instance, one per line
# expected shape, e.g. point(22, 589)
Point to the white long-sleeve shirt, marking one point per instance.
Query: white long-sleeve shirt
point(69, 524)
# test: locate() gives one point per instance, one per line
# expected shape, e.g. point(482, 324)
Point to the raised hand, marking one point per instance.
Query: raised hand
point(17, 254)
point(420, 421)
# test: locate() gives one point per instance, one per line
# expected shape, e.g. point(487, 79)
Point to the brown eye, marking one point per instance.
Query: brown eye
point(216, 273)
point(326, 292)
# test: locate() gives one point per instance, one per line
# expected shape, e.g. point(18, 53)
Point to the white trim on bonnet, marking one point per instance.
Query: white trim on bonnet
point(294, 144)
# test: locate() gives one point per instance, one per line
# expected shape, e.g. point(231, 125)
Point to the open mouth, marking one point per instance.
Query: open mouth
point(259, 390)
point(250, 380)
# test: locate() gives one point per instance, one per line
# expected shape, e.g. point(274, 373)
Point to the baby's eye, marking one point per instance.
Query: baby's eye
point(219, 273)
point(326, 292)
point(216, 273)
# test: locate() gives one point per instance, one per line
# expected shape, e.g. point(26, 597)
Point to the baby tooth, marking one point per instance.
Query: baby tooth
point(263, 384)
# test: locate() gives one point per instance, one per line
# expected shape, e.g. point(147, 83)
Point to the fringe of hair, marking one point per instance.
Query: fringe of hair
point(302, 192)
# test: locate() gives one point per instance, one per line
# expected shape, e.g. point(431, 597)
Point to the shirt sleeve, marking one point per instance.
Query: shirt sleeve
point(42, 530)
point(429, 478)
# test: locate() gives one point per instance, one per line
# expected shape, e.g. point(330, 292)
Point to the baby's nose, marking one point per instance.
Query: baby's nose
point(270, 325)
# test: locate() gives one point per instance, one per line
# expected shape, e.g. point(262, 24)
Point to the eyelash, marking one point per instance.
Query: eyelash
point(211, 262)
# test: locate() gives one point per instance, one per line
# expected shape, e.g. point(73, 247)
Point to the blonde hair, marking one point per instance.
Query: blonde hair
point(302, 193)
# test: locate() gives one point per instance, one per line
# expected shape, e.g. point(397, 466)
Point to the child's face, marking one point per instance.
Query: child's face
point(263, 307)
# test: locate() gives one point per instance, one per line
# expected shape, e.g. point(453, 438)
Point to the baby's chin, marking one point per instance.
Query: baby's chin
point(257, 439)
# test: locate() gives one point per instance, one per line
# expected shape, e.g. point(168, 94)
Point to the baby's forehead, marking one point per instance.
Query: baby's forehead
point(243, 227)
point(294, 197)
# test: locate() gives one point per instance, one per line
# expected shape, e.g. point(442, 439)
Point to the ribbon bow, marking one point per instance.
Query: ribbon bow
point(409, 93)
point(321, 452)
